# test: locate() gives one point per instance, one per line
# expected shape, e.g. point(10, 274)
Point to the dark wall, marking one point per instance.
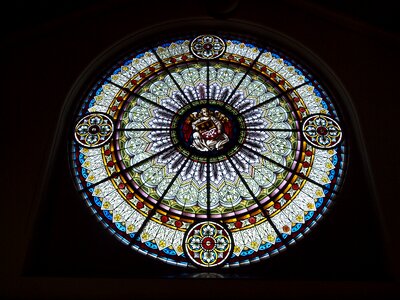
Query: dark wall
point(53, 248)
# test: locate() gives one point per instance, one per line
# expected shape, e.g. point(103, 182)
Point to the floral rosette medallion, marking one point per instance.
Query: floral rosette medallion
point(208, 244)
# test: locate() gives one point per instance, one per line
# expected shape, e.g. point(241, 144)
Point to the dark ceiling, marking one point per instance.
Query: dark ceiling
point(17, 15)
point(48, 46)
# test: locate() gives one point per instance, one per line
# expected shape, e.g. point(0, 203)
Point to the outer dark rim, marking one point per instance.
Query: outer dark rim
point(320, 70)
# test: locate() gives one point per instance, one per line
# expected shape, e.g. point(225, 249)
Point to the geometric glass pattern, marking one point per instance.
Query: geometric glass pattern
point(322, 131)
point(207, 46)
point(94, 130)
point(208, 151)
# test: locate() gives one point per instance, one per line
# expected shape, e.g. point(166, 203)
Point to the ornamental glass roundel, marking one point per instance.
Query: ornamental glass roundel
point(208, 151)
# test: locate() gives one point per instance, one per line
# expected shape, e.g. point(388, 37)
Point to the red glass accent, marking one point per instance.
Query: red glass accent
point(94, 129)
point(322, 130)
point(208, 243)
point(207, 46)
point(238, 224)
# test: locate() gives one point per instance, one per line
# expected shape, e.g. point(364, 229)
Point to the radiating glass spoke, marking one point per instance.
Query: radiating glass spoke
point(172, 77)
point(284, 130)
point(208, 188)
point(287, 169)
point(157, 205)
point(271, 129)
point(248, 69)
point(273, 98)
point(265, 214)
point(141, 97)
point(128, 168)
point(208, 81)
point(145, 129)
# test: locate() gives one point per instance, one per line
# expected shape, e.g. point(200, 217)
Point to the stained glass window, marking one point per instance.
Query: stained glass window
point(208, 151)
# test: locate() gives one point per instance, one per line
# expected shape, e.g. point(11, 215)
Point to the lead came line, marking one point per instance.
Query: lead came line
point(127, 169)
point(208, 188)
point(288, 169)
point(270, 129)
point(129, 92)
point(273, 98)
point(258, 203)
point(146, 129)
point(172, 77)
point(157, 205)
point(208, 81)
point(249, 68)
point(284, 130)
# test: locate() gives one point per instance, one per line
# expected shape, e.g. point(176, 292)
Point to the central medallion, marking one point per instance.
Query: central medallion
point(208, 130)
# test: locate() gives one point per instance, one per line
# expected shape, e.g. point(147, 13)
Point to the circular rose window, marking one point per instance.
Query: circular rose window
point(207, 151)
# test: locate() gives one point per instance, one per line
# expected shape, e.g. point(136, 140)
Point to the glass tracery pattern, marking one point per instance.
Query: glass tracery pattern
point(220, 152)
